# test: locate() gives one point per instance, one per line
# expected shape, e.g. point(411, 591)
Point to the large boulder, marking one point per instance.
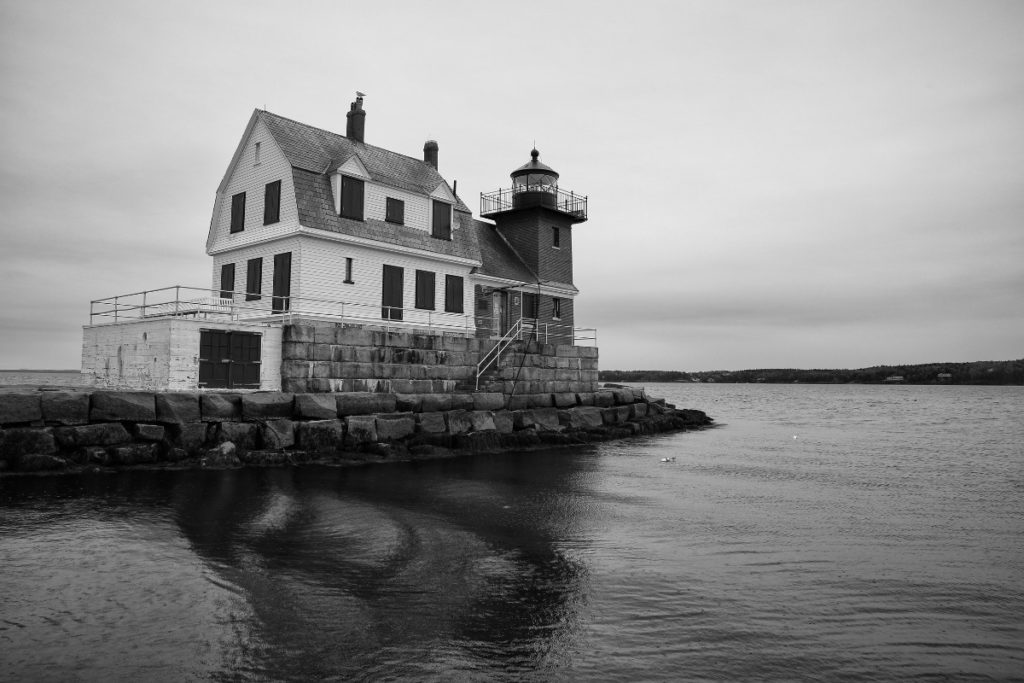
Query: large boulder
point(482, 421)
point(538, 418)
point(100, 434)
point(65, 407)
point(365, 403)
point(431, 423)
point(584, 417)
point(360, 430)
point(20, 407)
point(278, 434)
point(459, 421)
point(221, 407)
point(395, 427)
point(267, 405)
point(222, 456)
point(320, 436)
point(19, 441)
point(488, 401)
point(244, 435)
point(131, 406)
point(316, 406)
point(177, 407)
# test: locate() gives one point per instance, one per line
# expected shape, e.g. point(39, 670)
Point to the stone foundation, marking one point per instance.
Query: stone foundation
point(75, 430)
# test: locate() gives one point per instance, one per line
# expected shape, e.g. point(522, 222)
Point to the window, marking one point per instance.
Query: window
point(391, 293)
point(256, 153)
point(282, 282)
point(555, 238)
point(272, 203)
point(351, 198)
point(529, 305)
point(453, 293)
point(348, 272)
point(425, 290)
point(442, 225)
point(556, 307)
point(227, 280)
point(395, 211)
point(238, 212)
point(253, 279)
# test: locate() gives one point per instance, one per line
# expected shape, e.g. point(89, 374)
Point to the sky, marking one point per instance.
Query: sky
point(771, 183)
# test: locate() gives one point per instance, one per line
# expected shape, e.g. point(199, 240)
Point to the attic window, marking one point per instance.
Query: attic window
point(442, 223)
point(238, 212)
point(256, 153)
point(272, 203)
point(395, 211)
point(351, 198)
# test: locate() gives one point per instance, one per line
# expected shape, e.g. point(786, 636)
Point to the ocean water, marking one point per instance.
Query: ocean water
point(819, 533)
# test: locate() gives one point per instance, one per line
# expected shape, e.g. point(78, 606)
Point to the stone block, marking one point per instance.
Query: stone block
point(291, 350)
point(354, 336)
point(360, 430)
point(616, 415)
point(538, 418)
point(584, 417)
point(321, 369)
point(431, 423)
point(585, 398)
point(518, 402)
point(190, 437)
point(20, 407)
point(459, 421)
point(245, 435)
point(564, 400)
point(639, 410)
point(134, 454)
point(623, 396)
point(325, 334)
point(220, 407)
point(145, 432)
point(133, 406)
point(433, 403)
point(482, 420)
point(278, 434)
point(65, 407)
point(503, 421)
point(541, 401)
point(604, 398)
point(320, 436)
point(408, 403)
point(463, 401)
point(267, 405)
point(488, 401)
point(296, 369)
point(100, 434)
point(365, 403)
point(298, 333)
point(177, 407)
point(321, 352)
point(297, 386)
point(395, 426)
point(316, 406)
point(18, 441)
point(39, 462)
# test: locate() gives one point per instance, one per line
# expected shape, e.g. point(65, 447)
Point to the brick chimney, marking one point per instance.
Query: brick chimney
point(356, 127)
point(430, 152)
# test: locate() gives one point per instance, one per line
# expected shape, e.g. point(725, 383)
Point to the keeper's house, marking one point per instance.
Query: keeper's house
point(310, 225)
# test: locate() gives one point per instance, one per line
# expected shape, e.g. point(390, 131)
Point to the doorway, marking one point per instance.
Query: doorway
point(499, 313)
point(229, 360)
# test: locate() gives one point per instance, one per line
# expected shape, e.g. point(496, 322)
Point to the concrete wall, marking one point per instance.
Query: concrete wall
point(164, 353)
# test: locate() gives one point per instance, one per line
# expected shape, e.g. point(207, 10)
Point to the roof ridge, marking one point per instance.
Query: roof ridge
point(355, 142)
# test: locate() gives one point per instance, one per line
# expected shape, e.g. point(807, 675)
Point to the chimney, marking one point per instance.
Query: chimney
point(356, 126)
point(430, 152)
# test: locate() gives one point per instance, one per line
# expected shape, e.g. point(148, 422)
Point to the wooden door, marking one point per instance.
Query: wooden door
point(229, 360)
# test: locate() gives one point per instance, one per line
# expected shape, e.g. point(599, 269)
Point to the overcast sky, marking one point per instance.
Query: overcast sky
point(771, 183)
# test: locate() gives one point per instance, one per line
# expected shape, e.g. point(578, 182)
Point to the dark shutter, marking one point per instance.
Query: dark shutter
point(282, 282)
point(348, 271)
point(425, 290)
point(253, 279)
point(391, 295)
point(272, 203)
point(555, 237)
point(351, 198)
point(453, 293)
point(442, 225)
point(529, 305)
point(395, 211)
point(227, 280)
point(238, 212)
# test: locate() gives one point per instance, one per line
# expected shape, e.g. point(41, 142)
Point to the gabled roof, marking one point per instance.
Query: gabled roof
point(498, 258)
point(320, 151)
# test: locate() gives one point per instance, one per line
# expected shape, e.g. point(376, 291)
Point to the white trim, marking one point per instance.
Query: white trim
point(384, 246)
point(443, 193)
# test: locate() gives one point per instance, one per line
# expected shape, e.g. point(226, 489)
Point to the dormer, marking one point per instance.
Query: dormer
point(348, 188)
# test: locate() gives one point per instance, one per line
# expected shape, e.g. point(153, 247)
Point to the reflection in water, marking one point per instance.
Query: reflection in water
point(346, 569)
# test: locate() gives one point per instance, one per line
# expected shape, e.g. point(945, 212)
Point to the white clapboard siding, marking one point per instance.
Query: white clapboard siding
point(417, 207)
point(251, 177)
point(240, 257)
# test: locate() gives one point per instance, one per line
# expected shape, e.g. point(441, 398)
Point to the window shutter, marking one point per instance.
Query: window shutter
point(425, 290)
point(253, 279)
point(282, 282)
point(453, 293)
point(272, 203)
point(351, 198)
point(529, 305)
point(442, 221)
point(227, 280)
point(391, 293)
point(238, 212)
point(395, 211)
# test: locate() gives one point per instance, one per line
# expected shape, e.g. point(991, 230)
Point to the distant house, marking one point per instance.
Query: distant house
point(894, 379)
point(316, 225)
point(944, 378)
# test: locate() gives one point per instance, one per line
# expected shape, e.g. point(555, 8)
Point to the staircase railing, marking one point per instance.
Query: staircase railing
point(492, 356)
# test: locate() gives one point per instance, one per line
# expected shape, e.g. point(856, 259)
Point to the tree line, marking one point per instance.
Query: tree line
point(978, 372)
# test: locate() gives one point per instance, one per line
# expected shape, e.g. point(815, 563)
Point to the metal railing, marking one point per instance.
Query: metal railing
point(504, 200)
point(494, 354)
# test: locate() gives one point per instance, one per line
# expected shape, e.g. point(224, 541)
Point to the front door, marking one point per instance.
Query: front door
point(229, 360)
point(499, 308)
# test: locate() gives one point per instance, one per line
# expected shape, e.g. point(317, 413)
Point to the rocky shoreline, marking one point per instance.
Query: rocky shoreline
point(46, 431)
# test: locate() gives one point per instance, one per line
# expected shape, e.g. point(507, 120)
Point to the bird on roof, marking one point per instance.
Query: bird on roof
point(360, 94)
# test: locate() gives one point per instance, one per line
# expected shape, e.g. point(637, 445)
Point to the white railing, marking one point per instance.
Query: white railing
point(218, 305)
point(494, 354)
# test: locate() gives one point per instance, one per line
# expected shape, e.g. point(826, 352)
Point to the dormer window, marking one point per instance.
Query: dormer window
point(441, 227)
point(351, 198)
point(395, 211)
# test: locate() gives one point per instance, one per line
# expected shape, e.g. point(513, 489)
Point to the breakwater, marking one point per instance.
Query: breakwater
point(74, 430)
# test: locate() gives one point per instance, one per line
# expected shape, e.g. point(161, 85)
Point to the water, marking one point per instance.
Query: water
point(821, 533)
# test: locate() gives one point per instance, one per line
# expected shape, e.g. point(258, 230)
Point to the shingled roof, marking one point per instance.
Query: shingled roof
point(320, 151)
